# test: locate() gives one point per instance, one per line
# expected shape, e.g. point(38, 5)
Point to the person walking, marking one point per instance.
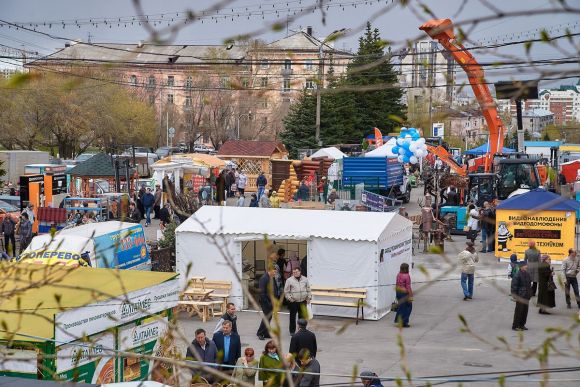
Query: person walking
point(134, 214)
point(204, 350)
point(303, 191)
point(311, 368)
point(228, 345)
point(157, 203)
point(467, 260)
point(487, 228)
point(570, 268)
point(164, 215)
point(246, 367)
point(521, 289)
point(532, 257)
point(303, 339)
point(261, 182)
point(254, 201)
point(546, 285)
point(25, 231)
point(270, 360)
point(268, 290)
point(8, 228)
point(297, 292)
point(148, 202)
point(370, 379)
point(404, 295)
point(472, 223)
point(229, 315)
point(241, 200)
point(242, 182)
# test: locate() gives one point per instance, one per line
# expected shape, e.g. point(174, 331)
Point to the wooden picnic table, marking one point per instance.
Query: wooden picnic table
point(198, 294)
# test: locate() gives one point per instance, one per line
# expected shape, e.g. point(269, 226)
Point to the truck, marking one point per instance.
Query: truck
point(100, 245)
point(385, 176)
point(15, 162)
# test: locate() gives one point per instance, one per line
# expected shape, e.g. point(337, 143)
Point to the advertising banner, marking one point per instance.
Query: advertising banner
point(373, 201)
point(122, 249)
point(74, 323)
point(18, 362)
point(145, 338)
point(89, 362)
point(553, 232)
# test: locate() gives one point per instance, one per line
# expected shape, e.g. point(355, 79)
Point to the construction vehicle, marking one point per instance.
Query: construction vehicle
point(499, 170)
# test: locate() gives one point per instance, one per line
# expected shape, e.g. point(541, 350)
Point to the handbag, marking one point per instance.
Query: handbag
point(552, 285)
point(394, 306)
point(466, 228)
point(309, 312)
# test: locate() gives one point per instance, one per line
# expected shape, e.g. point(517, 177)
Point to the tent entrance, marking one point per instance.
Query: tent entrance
point(254, 260)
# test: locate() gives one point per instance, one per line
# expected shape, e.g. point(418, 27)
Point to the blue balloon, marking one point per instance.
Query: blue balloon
point(415, 136)
point(406, 159)
point(395, 150)
point(406, 145)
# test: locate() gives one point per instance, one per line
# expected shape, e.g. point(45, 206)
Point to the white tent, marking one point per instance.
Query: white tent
point(331, 152)
point(344, 248)
point(383, 150)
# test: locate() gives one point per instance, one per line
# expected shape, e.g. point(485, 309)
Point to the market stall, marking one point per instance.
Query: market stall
point(87, 315)
point(367, 256)
point(542, 216)
point(97, 175)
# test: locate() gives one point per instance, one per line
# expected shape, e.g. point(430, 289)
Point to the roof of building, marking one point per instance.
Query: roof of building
point(100, 165)
point(537, 113)
point(62, 288)
point(301, 41)
point(538, 144)
point(539, 200)
point(295, 223)
point(251, 148)
point(468, 112)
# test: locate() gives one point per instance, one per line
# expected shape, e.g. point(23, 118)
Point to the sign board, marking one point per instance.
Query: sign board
point(373, 201)
point(25, 180)
point(58, 183)
point(91, 361)
point(122, 249)
point(171, 132)
point(147, 338)
point(553, 232)
point(93, 318)
point(438, 129)
point(20, 362)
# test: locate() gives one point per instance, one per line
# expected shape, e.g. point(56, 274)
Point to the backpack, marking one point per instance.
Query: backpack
point(515, 269)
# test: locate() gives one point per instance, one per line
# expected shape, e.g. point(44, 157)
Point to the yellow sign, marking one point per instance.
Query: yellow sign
point(553, 232)
point(52, 257)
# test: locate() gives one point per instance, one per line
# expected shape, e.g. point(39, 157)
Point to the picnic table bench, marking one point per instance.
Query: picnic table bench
point(345, 297)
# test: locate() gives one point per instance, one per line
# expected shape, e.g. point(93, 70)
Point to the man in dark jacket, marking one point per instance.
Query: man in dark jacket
point(202, 349)
point(228, 345)
point(310, 366)
point(261, 182)
point(303, 339)
point(134, 213)
point(7, 228)
point(148, 202)
point(157, 204)
point(522, 292)
point(229, 315)
point(268, 286)
point(25, 231)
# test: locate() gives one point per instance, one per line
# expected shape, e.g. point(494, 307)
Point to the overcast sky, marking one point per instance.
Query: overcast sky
point(397, 25)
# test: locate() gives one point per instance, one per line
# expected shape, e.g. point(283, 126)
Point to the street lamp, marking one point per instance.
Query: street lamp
point(333, 35)
point(249, 115)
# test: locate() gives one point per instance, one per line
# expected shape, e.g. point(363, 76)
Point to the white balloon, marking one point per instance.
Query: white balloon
point(413, 160)
point(408, 136)
point(402, 151)
point(413, 147)
point(421, 140)
point(400, 158)
point(400, 141)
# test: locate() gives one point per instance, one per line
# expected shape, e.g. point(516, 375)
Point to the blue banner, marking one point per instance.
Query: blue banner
point(122, 249)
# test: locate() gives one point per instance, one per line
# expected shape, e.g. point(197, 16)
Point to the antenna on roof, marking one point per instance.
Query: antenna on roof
point(89, 36)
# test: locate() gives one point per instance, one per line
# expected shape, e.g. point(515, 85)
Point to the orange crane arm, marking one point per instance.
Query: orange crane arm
point(442, 153)
point(442, 31)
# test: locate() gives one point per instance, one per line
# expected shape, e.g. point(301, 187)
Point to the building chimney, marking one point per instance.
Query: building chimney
point(67, 44)
point(309, 30)
point(140, 44)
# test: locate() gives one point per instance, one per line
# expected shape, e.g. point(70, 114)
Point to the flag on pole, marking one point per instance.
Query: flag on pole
point(378, 138)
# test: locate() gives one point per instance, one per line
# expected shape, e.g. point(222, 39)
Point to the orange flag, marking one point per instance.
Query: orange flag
point(378, 138)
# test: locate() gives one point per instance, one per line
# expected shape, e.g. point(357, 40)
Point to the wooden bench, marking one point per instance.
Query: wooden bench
point(222, 290)
point(202, 308)
point(346, 297)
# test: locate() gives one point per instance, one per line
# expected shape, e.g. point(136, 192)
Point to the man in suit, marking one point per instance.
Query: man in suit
point(228, 345)
point(303, 339)
point(268, 285)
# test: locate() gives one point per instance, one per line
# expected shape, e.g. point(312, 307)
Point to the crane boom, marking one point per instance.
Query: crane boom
point(442, 31)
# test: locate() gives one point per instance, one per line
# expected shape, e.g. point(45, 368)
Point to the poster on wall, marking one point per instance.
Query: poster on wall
point(553, 232)
point(18, 362)
point(148, 338)
point(89, 362)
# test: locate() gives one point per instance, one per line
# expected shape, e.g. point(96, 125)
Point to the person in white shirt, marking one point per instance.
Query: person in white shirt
point(472, 222)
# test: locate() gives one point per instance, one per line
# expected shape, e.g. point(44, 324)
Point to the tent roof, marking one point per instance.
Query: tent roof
point(292, 223)
point(74, 287)
point(383, 150)
point(237, 148)
point(331, 152)
point(540, 200)
point(100, 165)
point(483, 149)
point(190, 158)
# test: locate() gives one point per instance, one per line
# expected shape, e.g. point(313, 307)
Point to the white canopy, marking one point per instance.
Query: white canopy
point(344, 248)
point(383, 150)
point(331, 152)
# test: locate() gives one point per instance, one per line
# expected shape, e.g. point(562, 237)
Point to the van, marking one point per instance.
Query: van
point(111, 244)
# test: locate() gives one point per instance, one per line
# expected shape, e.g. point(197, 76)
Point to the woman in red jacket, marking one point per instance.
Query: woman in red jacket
point(404, 296)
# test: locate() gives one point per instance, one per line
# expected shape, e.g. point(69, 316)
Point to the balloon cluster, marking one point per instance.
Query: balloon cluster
point(410, 146)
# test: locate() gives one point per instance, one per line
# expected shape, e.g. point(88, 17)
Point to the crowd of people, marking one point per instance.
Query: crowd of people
point(10, 228)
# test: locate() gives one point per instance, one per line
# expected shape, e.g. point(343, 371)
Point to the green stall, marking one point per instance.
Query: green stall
point(63, 323)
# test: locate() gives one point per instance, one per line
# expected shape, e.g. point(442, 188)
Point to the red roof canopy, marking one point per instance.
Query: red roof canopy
point(250, 148)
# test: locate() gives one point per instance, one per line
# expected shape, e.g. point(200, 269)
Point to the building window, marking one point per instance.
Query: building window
point(286, 84)
point(264, 103)
point(310, 85)
point(170, 99)
point(151, 81)
point(245, 83)
point(133, 80)
point(189, 82)
point(151, 99)
point(308, 64)
point(170, 80)
point(264, 82)
point(287, 64)
point(225, 82)
point(188, 102)
point(264, 121)
point(264, 64)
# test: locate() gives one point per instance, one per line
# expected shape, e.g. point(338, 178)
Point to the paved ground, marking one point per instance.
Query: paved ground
point(434, 344)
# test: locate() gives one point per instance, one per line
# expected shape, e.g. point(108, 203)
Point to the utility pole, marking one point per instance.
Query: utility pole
point(167, 128)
